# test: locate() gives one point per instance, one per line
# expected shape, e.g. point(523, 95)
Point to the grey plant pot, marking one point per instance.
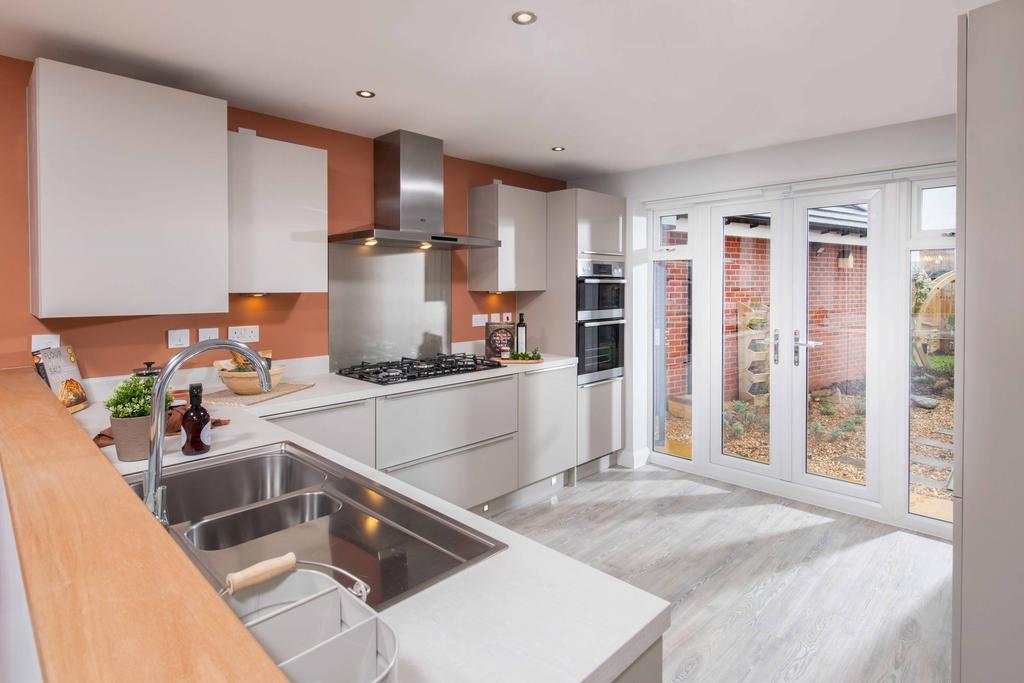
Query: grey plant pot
point(131, 437)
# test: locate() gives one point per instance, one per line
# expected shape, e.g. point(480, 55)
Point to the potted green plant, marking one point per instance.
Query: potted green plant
point(129, 416)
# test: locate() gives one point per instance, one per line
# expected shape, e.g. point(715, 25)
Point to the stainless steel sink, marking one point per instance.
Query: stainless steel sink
point(240, 508)
point(234, 528)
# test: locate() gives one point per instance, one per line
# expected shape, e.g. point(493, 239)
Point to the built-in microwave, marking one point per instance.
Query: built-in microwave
point(600, 290)
point(600, 348)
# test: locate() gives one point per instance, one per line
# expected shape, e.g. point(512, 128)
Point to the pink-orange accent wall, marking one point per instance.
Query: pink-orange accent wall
point(293, 325)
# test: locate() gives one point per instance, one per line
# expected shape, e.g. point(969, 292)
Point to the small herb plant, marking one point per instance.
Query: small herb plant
point(532, 355)
point(132, 397)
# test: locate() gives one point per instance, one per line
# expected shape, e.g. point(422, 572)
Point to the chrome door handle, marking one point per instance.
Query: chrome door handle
point(775, 346)
point(797, 344)
point(620, 321)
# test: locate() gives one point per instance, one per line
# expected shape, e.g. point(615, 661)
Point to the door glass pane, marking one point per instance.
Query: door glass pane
point(932, 320)
point(938, 209)
point(746, 345)
point(674, 230)
point(835, 335)
point(673, 418)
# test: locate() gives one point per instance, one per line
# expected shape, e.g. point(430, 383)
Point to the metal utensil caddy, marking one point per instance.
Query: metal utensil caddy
point(316, 629)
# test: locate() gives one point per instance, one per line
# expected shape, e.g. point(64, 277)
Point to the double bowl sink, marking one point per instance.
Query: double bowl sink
point(233, 510)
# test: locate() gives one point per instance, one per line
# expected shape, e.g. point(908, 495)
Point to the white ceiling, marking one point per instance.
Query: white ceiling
point(622, 84)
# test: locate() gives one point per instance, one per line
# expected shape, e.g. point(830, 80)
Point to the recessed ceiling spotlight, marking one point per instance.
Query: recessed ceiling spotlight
point(524, 18)
point(365, 94)
point(558, 149)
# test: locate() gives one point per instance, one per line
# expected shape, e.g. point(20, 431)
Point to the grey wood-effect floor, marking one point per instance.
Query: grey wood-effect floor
point(762, 588)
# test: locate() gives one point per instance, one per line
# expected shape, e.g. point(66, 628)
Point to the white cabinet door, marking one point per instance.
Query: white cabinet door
point(128, 196)
point(547, 422)
point(599, 415)
point(429, 421)
point(347, 428)
point(518, 217)
point(278, 216)
point(466, 477)
point(600, 224)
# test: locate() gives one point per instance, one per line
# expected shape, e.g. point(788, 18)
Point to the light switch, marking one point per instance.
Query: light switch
point(479, 319)
point(45, 341)
point(206, 333)
point(495, 317)
point(178, 339)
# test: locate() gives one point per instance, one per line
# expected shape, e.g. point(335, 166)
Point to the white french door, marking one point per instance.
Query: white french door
point(792, 355)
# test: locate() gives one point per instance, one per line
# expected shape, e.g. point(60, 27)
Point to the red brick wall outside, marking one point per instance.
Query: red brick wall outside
point(836, 314)
point(747, 279)
point(677, 327)
point(836, 311)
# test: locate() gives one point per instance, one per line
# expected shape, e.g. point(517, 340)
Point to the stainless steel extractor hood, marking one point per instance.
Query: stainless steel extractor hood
point(408, 189)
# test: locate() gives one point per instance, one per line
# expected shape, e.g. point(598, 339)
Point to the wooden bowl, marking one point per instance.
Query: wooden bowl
point(246, 383)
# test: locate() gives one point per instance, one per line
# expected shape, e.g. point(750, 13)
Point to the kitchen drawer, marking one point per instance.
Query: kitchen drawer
point(599, 419)
point(347, 428)
point(416, 424)
point(467, 476)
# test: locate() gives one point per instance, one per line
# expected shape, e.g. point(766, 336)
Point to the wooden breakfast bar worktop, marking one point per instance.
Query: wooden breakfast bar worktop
point(110, 594)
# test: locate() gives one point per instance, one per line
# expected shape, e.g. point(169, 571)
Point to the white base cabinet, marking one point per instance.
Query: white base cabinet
point(417, 424)
point(547, 417)
point(599, 419)
point(347, 428)
point(467, 476)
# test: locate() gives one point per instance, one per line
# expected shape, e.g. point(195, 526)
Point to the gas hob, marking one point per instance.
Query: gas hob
point(409, 369)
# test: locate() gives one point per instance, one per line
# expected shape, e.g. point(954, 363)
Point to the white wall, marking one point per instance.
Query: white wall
point(905, 145)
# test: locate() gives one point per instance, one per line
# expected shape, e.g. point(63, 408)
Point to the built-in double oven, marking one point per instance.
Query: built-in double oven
point(600, 319)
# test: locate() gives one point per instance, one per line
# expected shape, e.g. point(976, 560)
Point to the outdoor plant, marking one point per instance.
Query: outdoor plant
point(817, 430)
point(860, 407)
point(850, 425)
point(131, 398)
point(920, 292)
point(826, 408)
point(736, 429)
point(836, 434)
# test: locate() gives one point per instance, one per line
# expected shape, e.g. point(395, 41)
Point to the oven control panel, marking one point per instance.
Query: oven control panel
point(591, 268)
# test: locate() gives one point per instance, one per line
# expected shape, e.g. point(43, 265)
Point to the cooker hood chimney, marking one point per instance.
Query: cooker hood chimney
point(408, 190)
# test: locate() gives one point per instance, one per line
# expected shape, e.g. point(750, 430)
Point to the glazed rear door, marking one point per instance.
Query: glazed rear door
point(750, 375)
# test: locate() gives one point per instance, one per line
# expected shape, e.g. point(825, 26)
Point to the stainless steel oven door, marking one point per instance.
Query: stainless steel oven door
point(600, 298)
point(600, 347)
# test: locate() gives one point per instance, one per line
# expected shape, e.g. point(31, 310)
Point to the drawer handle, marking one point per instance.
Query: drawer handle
point(416, 392)
point(547, 370)
point(604, 381)
point(455, 451)
point(318, 409)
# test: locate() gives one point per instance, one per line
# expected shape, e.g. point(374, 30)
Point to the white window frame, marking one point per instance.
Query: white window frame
point(919, 236)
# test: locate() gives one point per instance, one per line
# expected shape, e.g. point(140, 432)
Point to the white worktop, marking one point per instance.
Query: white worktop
point(526, 613)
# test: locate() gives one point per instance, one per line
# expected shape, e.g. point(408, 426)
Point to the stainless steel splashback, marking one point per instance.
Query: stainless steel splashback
point(385, 303)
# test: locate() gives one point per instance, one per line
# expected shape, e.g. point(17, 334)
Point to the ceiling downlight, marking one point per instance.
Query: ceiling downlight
point(365, 94)
point(523, 17)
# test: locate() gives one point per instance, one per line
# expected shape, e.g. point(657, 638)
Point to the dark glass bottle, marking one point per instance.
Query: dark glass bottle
point(195, 424)
point(521, 335)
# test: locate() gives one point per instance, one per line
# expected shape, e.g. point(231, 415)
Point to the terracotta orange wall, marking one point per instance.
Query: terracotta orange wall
point(293, 325)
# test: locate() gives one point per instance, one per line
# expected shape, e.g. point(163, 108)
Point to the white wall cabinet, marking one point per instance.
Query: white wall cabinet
point(518, 217)
point(599, 419)
point(347, 428)
point(278, 216)
point(547, 422)
point(426, 422)
point(600, 224)
point(128, 196)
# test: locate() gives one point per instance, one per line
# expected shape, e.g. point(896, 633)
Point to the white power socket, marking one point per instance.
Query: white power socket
point(506, 317)
point(245, 334)
point(479, 319)
point(178, 339)
point(495, 317)
point(45, 341)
